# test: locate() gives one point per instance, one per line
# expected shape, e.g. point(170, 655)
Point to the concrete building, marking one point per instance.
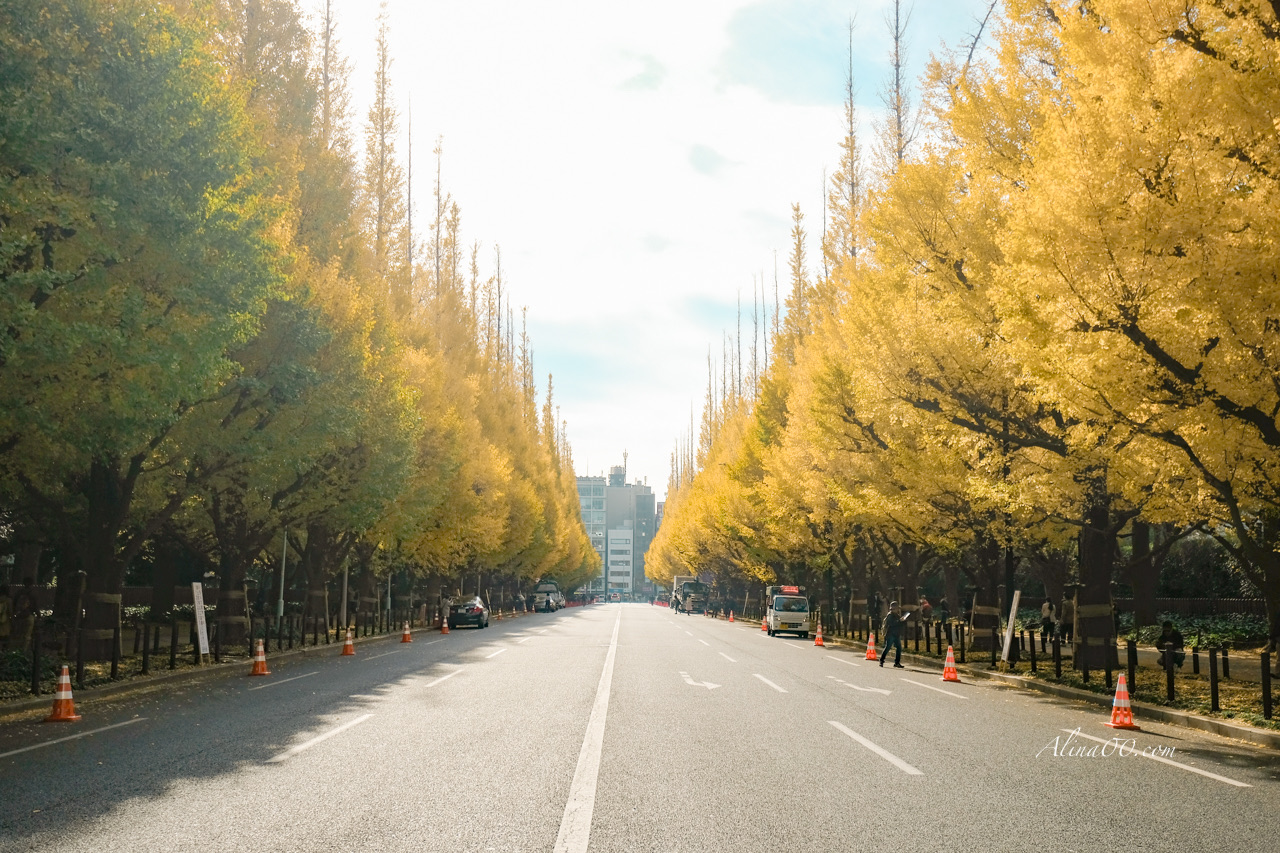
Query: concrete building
point(618, 568)
point(614, 510)
point(591, 501)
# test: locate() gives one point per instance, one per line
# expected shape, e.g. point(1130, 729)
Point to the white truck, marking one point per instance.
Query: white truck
point(688, 594)
point(787, 611)
point(547, 597)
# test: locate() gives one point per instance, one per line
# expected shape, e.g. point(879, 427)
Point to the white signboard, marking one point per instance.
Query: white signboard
point(1008, 631)
point(197, 595)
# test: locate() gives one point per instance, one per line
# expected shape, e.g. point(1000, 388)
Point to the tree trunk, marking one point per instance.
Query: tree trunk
point(1095, 626)
point(985, 613)
point(1143, 576)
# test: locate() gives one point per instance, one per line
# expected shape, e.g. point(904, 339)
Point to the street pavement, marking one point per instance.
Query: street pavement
point(619, 727)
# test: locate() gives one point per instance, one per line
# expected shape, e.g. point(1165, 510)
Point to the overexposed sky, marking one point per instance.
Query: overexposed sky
point(637, 164)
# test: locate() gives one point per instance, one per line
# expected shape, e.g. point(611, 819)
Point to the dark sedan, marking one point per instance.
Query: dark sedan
point(468, 611)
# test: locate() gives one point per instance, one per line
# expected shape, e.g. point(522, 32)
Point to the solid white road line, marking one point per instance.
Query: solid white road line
point(495, 654)
point(384, 654)
point(433, 642)
point(522, 639)
point(931, 687)
point(842, 660)
point(690, 633)
point(704, 642)
point(770, 683)
point(880, 751)
point(726, 657)
point(1159, 758)
point(290, 753)
point(282, 681)
point(575, 826)
point(444, 677)
point(70, 737)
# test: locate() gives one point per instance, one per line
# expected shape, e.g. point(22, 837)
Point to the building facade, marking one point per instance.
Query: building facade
point(621, 519)
point(591, 501)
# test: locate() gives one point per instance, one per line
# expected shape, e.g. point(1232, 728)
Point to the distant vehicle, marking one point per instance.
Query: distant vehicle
point(547, 597)
point(788, 611)
point(469, 610)
point(688, 594)
point(615, 596)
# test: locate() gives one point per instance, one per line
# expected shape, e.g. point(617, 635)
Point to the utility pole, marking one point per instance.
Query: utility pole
point(284, 553)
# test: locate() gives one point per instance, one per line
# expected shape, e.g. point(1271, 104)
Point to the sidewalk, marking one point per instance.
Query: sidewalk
point(1249, 734)
point(231, 666)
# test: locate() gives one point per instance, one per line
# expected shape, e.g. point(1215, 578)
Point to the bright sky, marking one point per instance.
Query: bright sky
point(637, 165)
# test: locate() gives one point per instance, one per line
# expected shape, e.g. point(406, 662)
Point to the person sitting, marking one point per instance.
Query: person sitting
point(1170, 637)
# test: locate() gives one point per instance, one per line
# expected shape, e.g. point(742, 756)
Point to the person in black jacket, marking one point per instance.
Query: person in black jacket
point(1171, 638)
point(892, 630)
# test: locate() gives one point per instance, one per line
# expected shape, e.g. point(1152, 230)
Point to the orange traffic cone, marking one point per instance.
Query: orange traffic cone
point(817, 641)
point(444, 626)
point(64, 709)
point(260, 661)
point(730, 615)
point(1121, 713)
point(497, 614)
point(349, 647)
point(871, 647)
point(764, 624)
point(949, 668)
point(405, 638)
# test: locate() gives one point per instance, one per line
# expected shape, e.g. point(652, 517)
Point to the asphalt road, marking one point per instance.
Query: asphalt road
point(618, 728)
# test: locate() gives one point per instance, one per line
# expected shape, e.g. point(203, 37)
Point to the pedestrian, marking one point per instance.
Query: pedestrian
point(926, 610)
point(1170, 640)
point(1066, 619)
point(892, 631)
point(1046, 622)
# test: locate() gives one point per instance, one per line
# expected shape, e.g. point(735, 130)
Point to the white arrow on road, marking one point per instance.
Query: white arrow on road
point(863, 689)
point(690, 681)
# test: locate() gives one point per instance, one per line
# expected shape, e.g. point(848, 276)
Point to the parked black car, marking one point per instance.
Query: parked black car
point(468, 611)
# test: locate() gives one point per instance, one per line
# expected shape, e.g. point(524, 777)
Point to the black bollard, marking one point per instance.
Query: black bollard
point(1108, 645)
point(217, 642)
point(115, 651)
point(1084, 659)
point(146, 649)
point(1213, 678)
point(1195, 660)
point(173, 643)
point(249, 642)
point(291, 621)
point(80, 658)
point(995, 641)
point(1266, 685)
point(1057, 657)
point(960, 634)
point(36, 642)
point(927, 638)
point(315, 631)
point(1226, 663)
point(917, 632)
point(1033, 651)
point(1168, 670)
point(195, 643)
point(279, 633)
point(1131, 663)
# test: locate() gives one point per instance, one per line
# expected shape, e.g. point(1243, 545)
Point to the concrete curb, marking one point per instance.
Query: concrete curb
point(1249, 734)
point(141, 684)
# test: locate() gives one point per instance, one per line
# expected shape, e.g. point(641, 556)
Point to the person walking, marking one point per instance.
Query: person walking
point(1067, 620)
point(1046, 623)
point(892, 629)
